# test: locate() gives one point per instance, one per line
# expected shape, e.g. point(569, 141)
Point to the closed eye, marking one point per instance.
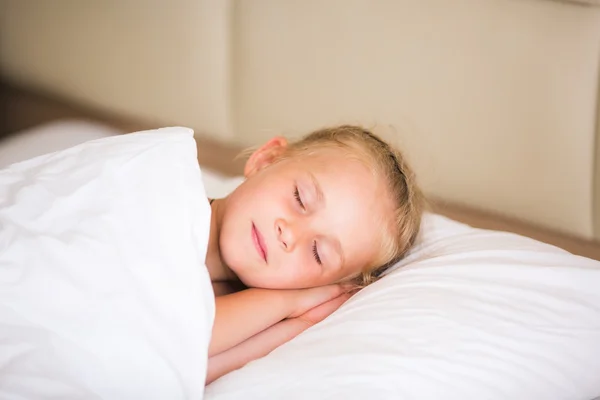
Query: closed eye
point(316, 253)
point(297, 196)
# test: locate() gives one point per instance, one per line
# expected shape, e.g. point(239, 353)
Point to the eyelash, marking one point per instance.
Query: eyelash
point(316, 253)
point(314, 247)
point(297, 196)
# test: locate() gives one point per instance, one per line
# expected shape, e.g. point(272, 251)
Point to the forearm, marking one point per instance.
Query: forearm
point(243, 314)
point(255, 347)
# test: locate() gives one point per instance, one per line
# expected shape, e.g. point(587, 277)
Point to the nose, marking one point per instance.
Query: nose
point(286, 234)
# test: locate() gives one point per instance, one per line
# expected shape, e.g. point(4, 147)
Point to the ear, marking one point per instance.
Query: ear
point(265, 155)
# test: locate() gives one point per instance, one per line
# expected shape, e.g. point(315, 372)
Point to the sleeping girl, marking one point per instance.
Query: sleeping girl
point(314, 221)
point(102, 289)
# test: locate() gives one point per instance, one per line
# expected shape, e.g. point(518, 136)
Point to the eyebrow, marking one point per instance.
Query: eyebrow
point(321, 198)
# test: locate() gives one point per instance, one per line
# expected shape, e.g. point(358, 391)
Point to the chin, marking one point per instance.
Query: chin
point(258, 283)
point(242, 271)
point(254, 283)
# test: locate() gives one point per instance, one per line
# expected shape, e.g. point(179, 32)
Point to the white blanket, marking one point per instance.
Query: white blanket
point(103, 289)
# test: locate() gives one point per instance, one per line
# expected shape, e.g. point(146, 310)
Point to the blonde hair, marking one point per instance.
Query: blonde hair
point(389, 164)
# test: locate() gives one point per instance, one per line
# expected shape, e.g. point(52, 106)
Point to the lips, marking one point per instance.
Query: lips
point(259, 243)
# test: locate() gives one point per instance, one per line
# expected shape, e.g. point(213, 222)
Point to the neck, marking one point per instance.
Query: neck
point(217, 269)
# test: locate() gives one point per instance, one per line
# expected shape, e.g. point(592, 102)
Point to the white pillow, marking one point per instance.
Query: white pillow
point(62, 134)
point(103, 289)
point(50, 137)
point(471, 314)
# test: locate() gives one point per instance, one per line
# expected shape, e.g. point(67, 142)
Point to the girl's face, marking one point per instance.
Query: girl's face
point(304, 221)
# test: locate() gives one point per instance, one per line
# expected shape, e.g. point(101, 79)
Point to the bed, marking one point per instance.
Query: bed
point(488, 305)
point(463, 299)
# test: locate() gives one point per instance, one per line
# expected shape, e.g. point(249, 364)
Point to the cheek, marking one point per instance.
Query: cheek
point(304, 270)
point(230, 244)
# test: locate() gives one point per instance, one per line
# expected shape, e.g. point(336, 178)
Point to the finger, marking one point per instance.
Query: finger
point(349, 287)
point(330, 306)
point(335, 303)
point(322, 294)
point(320, 312)
point(310, 298)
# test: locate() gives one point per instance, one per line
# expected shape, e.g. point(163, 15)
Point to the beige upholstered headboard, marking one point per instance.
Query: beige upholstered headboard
point(495, 102)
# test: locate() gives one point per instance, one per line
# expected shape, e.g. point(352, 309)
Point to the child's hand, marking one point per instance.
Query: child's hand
point(306, 300)
point(322, 311)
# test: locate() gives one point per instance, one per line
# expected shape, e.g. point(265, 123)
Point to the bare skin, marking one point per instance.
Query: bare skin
point(291, 233)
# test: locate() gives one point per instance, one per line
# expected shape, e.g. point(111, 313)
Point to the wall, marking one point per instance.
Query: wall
point(494, 101)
